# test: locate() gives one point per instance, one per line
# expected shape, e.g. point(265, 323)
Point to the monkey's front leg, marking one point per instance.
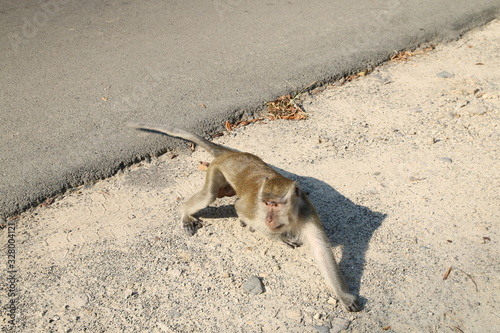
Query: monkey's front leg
point(208, 194)
point(190, 224)
point(319, 245)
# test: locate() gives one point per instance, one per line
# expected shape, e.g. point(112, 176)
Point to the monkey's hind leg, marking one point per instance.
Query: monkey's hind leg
point(240, 207)
point(214, 180)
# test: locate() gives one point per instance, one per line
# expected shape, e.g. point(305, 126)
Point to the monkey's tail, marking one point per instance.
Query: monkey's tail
point(210, 147)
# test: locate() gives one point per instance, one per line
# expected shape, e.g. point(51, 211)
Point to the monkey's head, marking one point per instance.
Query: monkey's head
point(279, 197)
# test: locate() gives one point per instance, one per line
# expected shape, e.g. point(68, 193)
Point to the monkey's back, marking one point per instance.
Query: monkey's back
point(243, 170)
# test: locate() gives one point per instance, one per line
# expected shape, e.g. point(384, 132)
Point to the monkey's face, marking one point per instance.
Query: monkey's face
point(275, 219)
point(278, 199)
point(281, 213)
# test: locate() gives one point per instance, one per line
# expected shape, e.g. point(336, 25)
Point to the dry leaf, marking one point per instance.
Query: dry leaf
point(230, 127)
point(192, 146)
point(284, 107)
point(47, 202)
point(203, 106)
point(415, 179)
point(203, 166)
point(246, 122)
point(173, 156)
point(447, 273)
point(104, 99)
point(405, 55)
point(385, 328)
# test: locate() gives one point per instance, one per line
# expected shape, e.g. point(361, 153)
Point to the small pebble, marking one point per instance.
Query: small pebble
point(295, 315)
point(490, 95)
point(446, 159)
point(322, 329)
point(340, 324)
point(332, 301)
point(130, 293)
point(254, 286)
point(79, 300)
point(381, 79)
point(477, 110)
point(461, 103)
point(172, 314)
point(445, 75)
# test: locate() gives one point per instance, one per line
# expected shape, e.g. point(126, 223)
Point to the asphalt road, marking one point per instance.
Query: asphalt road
point(74, 72)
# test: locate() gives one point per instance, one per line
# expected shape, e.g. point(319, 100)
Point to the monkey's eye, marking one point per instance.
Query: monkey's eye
point(270, 203)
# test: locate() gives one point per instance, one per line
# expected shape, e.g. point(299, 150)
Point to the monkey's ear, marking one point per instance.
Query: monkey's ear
point(298, 191)
point(262, 186)
point(293, 191)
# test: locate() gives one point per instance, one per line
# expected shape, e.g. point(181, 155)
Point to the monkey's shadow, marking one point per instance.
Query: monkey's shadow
point(347, 224)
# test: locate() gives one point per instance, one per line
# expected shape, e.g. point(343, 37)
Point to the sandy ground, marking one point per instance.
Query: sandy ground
point(402, 166)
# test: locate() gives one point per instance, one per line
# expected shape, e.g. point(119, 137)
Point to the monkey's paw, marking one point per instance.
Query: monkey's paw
point(191, 225)
point(291, 240)
point(351, 302)
point(243, 225)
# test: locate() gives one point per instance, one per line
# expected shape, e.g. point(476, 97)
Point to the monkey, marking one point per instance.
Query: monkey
point(266, 200)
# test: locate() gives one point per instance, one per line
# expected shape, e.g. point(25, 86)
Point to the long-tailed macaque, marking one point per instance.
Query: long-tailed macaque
point(267, 201)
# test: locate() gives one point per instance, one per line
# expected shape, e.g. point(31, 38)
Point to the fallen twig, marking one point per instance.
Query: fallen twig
point(470, 277)
point(447, 273)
